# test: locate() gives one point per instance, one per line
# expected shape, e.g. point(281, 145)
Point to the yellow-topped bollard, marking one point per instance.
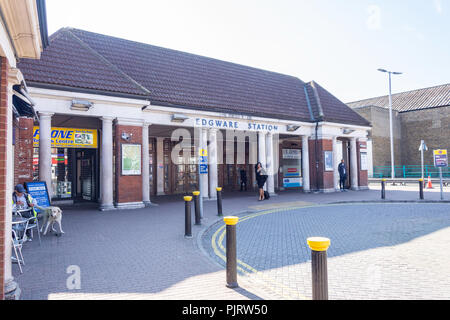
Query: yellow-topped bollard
point(319, 247)
point(421, 189)
point(231, 223)
point(197, 208)
point(231, 220)
point(318, 243)
point(383, 189)
point(219, 201)
point(187, 217)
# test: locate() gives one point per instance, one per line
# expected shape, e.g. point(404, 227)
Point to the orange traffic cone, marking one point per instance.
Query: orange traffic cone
point(429, 185)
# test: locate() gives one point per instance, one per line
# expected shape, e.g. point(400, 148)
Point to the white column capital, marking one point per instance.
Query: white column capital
point(45, 114)
point(107, 119)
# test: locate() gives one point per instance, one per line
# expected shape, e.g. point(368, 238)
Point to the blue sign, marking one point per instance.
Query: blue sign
point(38, 190)
point(203, 159)
point(203, 169)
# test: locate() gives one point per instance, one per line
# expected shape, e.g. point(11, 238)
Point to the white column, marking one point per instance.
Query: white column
point(145, 165)
point(335, 164)
point(270, 164)
point(354, 164)
point(262, 151)
point(212, 156)
point(45, 150)
point(160, 166)
point(204, 177)
point(305, 164)
point(107, 179)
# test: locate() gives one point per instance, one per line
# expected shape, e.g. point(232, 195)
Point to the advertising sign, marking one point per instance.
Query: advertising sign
point(328, 160)
point(292, 154)
point(292, 182)
point(131, 159)
point(38, 190)
point(440, 158)
point(69, 138)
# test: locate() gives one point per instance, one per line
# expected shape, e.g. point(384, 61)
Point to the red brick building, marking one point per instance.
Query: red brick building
point(23, 34)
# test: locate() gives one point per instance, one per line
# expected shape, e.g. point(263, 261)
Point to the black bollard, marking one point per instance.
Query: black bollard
point(187, 217)
point(219, 201)
point(197, 208)
point(421, 189)
point(231, 223)
point(383, 188)
point(319, 247)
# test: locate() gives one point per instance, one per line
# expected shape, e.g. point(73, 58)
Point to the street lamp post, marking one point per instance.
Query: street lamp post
point(390, 120)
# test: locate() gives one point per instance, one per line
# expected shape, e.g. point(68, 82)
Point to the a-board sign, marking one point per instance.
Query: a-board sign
point(39, 191)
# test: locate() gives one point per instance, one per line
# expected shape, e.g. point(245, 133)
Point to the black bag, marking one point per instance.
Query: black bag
point(266, 195)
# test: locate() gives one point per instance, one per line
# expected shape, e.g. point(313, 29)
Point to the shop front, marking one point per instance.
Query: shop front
point(74, 163)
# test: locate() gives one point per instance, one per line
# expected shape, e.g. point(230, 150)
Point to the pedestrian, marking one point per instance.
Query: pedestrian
point(243, 173)
point(342, 175)
point(261, 177)
point(23, 201)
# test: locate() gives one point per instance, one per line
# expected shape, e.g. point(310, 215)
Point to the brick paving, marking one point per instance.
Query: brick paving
point(378, 251)
point(142, 253)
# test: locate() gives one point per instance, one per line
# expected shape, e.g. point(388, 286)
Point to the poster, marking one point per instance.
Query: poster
point(363, 161)
point(131, 159)
point(328, 160)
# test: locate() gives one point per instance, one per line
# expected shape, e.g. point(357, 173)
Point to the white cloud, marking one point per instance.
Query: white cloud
point(374, 20)
point(438, 6)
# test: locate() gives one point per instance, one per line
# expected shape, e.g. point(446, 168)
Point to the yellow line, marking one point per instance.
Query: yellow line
point(240, 263)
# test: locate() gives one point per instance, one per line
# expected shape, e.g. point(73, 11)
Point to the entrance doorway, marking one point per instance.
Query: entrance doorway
point(86, 175)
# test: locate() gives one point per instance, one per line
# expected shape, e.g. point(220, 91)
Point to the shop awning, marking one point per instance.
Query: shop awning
point(22, 102)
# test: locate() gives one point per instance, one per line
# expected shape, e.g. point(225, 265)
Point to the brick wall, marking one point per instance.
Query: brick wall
point(380, 134)
point(128, 188)
point(23, 152)
point(431, 125)
point(3, 150)
point(325, 178)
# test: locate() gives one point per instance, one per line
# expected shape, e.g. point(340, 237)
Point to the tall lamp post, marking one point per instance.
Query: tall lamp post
point(390, 120)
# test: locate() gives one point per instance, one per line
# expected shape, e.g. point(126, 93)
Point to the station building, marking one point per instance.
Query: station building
point(119, 122)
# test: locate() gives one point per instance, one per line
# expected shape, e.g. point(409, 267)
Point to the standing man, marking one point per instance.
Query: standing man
point(243, 173)
point(342, 175)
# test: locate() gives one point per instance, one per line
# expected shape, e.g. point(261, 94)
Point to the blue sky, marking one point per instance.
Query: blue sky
point(339, 44)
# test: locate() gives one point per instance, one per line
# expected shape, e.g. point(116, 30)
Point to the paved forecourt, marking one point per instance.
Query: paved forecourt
point(378, 251)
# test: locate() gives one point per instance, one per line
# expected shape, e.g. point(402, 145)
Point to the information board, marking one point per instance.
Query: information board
point(38, 190)
point(440, 158)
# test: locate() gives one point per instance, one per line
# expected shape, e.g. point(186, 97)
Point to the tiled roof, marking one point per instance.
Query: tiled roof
point(433, 97)
point(86, 60)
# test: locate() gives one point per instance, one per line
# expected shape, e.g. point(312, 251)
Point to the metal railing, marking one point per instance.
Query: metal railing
point(411, 171)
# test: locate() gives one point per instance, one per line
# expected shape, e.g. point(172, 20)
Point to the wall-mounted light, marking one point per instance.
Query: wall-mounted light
point(347, 131)
point(292, 127)
point(126, 136)
point(81, 105)
point(177, 117)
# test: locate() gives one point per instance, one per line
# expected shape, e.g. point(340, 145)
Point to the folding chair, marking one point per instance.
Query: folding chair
point(33, 223)
point(17, 246)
